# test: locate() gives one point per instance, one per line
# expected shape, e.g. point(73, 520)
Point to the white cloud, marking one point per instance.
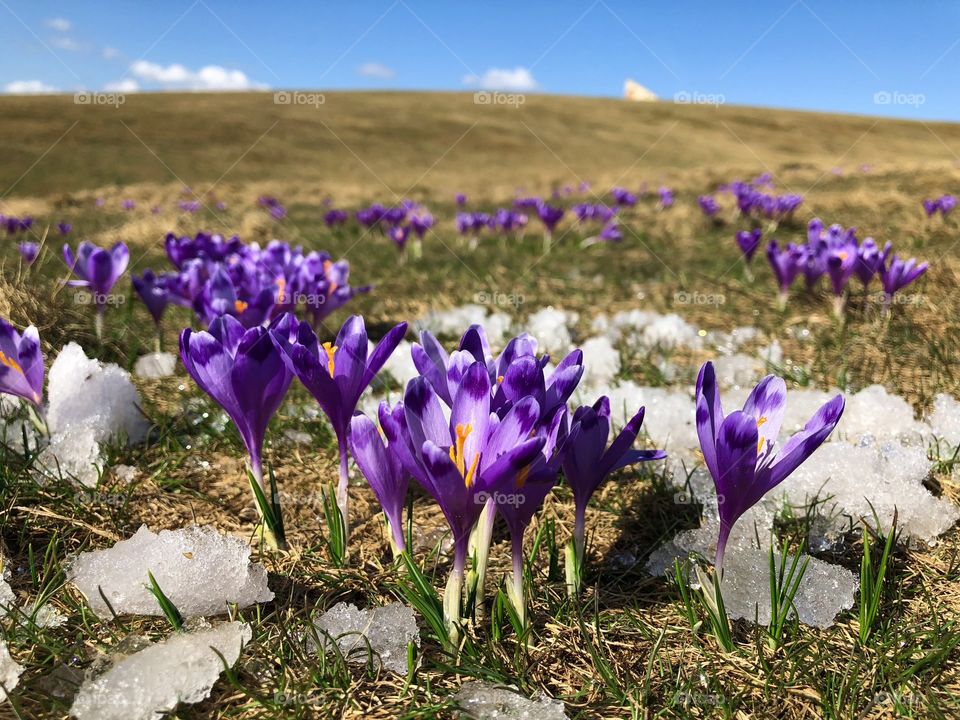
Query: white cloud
point(519, 79)
point(110, 53)
point(58, 23)
point(66, 43)
point(179, 77)
point(28, 87)
point(127, 85)
point(376, 70)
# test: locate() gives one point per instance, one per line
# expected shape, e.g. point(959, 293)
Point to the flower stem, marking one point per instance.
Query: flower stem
point(481, 550)
point(515, 590)
point(452, 595)
point(343, 498)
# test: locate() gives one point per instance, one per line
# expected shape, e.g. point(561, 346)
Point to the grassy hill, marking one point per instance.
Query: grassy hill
point(426, 144)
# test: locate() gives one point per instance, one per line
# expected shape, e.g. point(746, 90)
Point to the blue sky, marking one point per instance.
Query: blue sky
point(879, 58)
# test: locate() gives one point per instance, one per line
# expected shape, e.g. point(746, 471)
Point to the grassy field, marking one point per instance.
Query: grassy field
point(625, 649)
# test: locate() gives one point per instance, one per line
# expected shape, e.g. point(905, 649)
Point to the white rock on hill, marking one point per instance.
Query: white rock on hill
point(199, 569)
point(636, 92)
point(182, 669)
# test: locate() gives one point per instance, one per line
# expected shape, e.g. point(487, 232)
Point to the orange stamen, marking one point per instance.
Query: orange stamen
point(456, 454)
point(282, 284)
point(239, 306)
point(10, 363)
point(329, 348)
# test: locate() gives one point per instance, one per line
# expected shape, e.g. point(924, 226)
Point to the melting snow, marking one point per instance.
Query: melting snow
point(199, 569)
point(155, 365)
point(181, 669)
point(10, 671)
point(388, 630)
point(483, 701)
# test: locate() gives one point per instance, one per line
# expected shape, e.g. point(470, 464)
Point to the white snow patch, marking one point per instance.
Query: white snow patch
point(155, 365)
point(181, 669)
point(388, 630)
point(484, 701)
point(199, 569)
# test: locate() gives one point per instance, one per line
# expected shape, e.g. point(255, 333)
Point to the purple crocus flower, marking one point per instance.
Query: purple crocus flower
point(245, 372)
point(898, 275)
point(335, 218)
point(460, 199)
point(336, 374)
point(399, 235)
point(550, 216)
point(785, 265)
point(64, 228)
point(740, 451)
point(708, 205)
point(531, 486)
point(587, 462)
point(930, 207)
point(98, 270)
point(666, 197)
point(623, 197)
point(154, 292)
point(128, 204)
point(420, 223)
point(947, 204)
point(21, 364)
point(841, 262)
point(749, 241)
point(29, 251)
point(383, 471)
point(464, 462)
point(870, 259)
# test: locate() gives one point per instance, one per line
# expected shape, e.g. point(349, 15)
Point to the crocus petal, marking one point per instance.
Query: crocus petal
point(471, 411)
point(709, 416)
point(380, 467)
point(424, 416)
point(382, 352)
point(802, 445)
point(767, 404)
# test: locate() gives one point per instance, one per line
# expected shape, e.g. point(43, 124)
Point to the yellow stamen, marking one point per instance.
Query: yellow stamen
point(239, 306)
point(329, 348)
point(499, 379)
point(282, 284)
point(326, 271)
point(522, 476)
point(760, 422)
point(10, 363)
point(457, 456)
point(843, 255)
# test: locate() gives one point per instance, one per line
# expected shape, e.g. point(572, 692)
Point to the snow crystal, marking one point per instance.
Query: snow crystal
point(945, 419)
point(126, 473)
point(601, 361)
point(7, 599)
point(10, 671)
point(90, 403)
point(825, 589)
point(388, 630)
point(155, 365)
point(551, 328)
point(452, 323)
point(854, 481)
point(875, 412)
point(183, 668)
point(739, 370)
point(199, 569)
point(648, 329)
point(484, 701)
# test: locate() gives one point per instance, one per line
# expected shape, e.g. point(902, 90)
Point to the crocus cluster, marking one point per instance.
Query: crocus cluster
point(486, 435)
point(14, 225)
point(752, 201)
point(708, 205)
point(398, 223)
point(28, 251)
point(943, 205)
point(835, 252)
point(216, 276)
